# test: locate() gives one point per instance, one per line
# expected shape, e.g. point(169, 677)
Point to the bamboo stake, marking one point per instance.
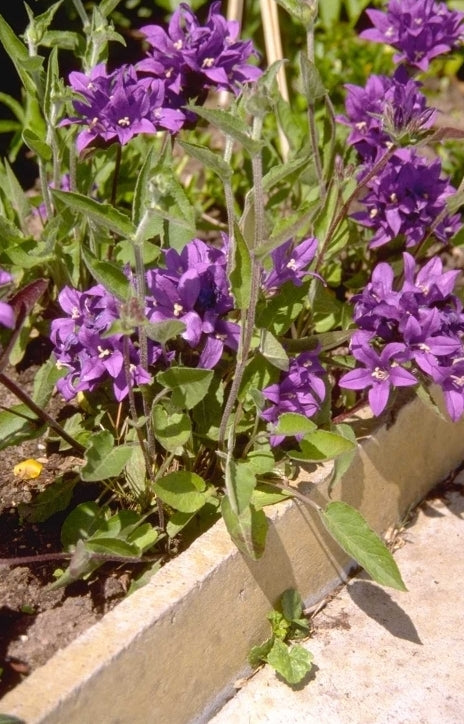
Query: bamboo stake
point(273, 43)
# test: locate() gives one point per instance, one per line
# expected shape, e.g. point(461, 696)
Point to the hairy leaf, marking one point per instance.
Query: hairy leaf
point(354, 535)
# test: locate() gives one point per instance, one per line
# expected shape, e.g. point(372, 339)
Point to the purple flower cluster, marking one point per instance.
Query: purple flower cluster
point(183, 64)
point(410, 333)
point(407, 199)
point(385, 109)
point(82, 347)
point(193, 58)
point(301, 389)
point(119, 105)
point(419, 30)
point(194, 289)
point(7, 315)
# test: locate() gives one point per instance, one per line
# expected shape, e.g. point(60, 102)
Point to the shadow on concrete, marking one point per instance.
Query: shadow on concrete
point(378, 605)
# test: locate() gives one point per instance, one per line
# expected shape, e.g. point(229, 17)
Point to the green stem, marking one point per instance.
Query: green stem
point(248, 316)
point(338, 218)
point(40, 413)
point(229, 197)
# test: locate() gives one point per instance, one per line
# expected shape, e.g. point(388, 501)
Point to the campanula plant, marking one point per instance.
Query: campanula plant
point(225, 272)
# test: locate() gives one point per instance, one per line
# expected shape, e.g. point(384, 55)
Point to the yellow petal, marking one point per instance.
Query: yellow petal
point(28, 469)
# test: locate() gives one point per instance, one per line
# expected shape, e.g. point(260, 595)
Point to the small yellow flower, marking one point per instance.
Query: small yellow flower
point(28, 469)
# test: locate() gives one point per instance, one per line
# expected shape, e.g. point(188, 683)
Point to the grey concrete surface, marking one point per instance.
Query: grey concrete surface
point(382, 656)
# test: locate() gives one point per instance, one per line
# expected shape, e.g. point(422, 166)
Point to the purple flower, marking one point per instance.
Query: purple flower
point(405, 199)
point(430, 285)
point(451, 380)
point(7, 315)
point(424, 341)
point(418, 29)
point(194, 289)
point(290, 263)
point(378, 307)
point(119, 106)
point(385, 109)
point(301, 389)
point(91, 357)
point(380, 372)
point(423, 322)
point(192, 58)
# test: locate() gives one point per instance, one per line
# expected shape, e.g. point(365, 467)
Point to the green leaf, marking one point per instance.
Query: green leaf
point(348, 527)
point(273, 351)
point(267, 495)
point(184, 491)
point(241, 273)
point(230, 125)
point(177, 522)
point(208, 159)
point(163, 331)
point(18, 53)
point(343, 461)
point(40, 23)
point(45, 380)
point(112, 547)
point(292, 423)
point(248, 530)
point(110, 275)
point(283, 171)
point(261, 461)
point(140, 200)
point(258, 654)
point(15, 107)
point(240, 483)
point(102, 214)
point(172, 430)
point(293, 664)
point(85, 520)
point(9, 126)
point(329, 12)
point(321, 445)
point(312, 81)
point(64, 39)
point(143, 537)
point(302, 12)
point(17, 195)
point(189, 385)
point(282, 309)
point(103, 460)
point(424, 395)
point(17, 424)
point(292, 604)
point(9, 719)
point(53, 499)
point(279, 624)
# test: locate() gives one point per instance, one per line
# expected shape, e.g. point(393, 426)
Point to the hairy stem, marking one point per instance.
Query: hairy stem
point(41, 414)
point(248, 316)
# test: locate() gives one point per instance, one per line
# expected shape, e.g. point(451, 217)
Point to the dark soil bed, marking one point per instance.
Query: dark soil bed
point(35, 621)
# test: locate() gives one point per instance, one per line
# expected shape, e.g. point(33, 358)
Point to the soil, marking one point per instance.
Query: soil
point(36, 621)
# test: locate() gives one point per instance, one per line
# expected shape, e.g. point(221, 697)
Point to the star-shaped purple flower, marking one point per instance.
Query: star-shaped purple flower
point(379, 373)
point(290, 263)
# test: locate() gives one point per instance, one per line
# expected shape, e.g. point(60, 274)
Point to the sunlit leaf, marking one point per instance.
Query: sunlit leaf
point(354, 535)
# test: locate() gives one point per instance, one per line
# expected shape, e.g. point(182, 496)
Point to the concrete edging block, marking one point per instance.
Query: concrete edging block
point(171, 652)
